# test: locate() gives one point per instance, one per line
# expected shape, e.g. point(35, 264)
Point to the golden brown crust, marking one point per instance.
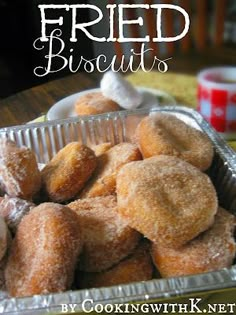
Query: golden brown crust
point(66, 174)
point(95, 103)
point(136, 267)
point(165, 134)
point(19, 173)
point(166, 199)
point(101, 148)
point(44, 252)
point(212, 250)
point(107, 237)
point(103, 182)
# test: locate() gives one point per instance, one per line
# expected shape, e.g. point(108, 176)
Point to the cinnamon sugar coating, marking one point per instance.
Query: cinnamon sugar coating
point(136, 267)
point(107, 237)
point(95, 103)
point(68, 171)
point(13, 210)
point(212, 250)
point(103, 182)
point(19, 173)
point(44, 252)
point(101, 148)
point(165, 134)
point(166, 199)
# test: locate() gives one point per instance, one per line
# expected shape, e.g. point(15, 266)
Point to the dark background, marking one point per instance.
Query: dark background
point(19, 26)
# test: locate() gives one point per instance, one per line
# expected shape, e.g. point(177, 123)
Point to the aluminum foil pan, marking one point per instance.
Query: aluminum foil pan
point(46, 139)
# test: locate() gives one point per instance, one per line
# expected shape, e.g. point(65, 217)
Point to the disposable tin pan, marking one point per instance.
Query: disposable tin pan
point(46, 139)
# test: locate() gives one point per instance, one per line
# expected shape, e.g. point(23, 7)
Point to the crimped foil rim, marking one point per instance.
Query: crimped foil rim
point(225, 151)
point(140, 291)
point(135, 292)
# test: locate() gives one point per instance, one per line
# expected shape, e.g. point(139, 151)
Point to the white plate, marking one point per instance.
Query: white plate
point(65, 107)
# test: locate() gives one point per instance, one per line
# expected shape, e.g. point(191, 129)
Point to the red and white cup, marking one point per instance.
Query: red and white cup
point(217, 99)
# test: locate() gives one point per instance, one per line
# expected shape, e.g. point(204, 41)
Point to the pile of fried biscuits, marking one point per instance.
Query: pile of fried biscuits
point(110, 215)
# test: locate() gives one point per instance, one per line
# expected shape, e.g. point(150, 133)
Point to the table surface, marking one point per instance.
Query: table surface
point(30, 104)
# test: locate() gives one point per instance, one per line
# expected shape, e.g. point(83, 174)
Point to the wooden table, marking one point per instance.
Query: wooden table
point(30, 104)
